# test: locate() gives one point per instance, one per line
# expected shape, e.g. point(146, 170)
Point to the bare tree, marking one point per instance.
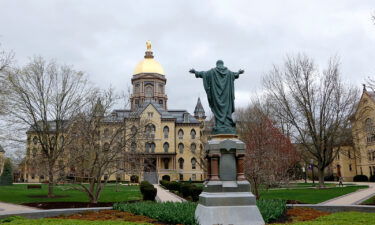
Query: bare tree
point(6, 59)
point(316, 104)
point(270, 154)
point(104, 144)
point(43, 98)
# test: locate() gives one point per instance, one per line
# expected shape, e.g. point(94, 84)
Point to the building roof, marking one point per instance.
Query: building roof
point(199, 108)
point(180, 116)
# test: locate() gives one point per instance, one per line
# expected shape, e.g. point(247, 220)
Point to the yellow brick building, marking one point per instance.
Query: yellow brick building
point(2, 159)
point(174, 146)
point(358, 158)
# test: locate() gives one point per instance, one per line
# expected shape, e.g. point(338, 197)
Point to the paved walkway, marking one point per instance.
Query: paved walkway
point(166, 196)
point(355, 197)
point(6, 208)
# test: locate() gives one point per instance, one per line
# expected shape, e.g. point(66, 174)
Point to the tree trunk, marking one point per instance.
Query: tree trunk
point(321, 177)
point(50, 184)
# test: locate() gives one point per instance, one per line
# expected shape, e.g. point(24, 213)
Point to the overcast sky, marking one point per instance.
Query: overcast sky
point(106, 39)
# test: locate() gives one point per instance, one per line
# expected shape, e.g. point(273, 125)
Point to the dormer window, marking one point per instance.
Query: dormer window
point(186, 117)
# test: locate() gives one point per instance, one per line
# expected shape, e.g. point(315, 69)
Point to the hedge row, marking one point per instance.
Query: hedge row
point(183, 213)
point(186, 190)
point(148, 191)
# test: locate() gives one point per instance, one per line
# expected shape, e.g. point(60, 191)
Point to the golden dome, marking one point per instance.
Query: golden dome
point(149, 64)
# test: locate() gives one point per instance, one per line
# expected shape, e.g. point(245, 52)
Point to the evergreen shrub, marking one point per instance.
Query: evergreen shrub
point(360, 178)
point(6, 177)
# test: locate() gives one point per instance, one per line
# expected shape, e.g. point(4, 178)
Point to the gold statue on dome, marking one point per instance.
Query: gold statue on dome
point(148, 45)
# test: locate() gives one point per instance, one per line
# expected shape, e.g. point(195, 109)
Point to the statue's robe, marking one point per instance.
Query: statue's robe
point(219, 86)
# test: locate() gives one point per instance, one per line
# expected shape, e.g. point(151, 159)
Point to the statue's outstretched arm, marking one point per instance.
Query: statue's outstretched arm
point(198, 74)
point(237, 74)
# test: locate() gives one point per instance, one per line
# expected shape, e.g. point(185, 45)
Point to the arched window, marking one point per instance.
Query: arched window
point(35, 140)
point(152, 146)
point(106, 147)
point(369, 128)
point(106, 133)
point(181, 163)
point(166, 131)
point(35, 151)
point(166, 147)
point(193, 134)
point(193, 148)
point(149, 91)
point(180, 134)
point(133, 130)
point(181, 148)
point(150, 131)
point(133, 147)
point(193, 163)
point(147, 147)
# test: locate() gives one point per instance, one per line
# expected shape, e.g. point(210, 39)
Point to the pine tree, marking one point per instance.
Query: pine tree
point(6, 177)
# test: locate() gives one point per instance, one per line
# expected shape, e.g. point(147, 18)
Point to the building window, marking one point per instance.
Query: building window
point(149, 91)
point(161, 88)
point(350, 167)
point(193, 148)
point(136, 102)
point(369, 128)
point(150, 115)
point(166, 164)
point(181, 177)
point(349, 155)
point(181, 163)
point(370, 171)
point(161, 102)
point(150, 131)
point(106, 147)
point(193, 163)
point(152, 147)
point(35, 140)
point(133, 147)
point(181, 148)
point(193, 134)
point(136, 88)
point(106, 133)
point(147, 147)
point(35, 151)
point(166, 132)
point(166, 147)
point(193, 177)
point(180, 134)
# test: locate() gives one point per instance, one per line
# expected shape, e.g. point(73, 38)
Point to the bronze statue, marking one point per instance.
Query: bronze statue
point(218, 83)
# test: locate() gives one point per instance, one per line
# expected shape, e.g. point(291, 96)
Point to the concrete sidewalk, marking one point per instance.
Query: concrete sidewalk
point(6, 208)
point(166, 196)
point(355, 197)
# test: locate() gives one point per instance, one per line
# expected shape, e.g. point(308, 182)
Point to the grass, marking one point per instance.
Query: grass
point(370, 201)
point(21, 221)
point(343, 218)
point(309, 195)
point(18, 193)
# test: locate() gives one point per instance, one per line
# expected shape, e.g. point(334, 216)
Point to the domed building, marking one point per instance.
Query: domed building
point(172, 148)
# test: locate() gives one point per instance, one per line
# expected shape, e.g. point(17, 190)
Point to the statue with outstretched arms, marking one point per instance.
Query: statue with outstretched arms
point(218, 83)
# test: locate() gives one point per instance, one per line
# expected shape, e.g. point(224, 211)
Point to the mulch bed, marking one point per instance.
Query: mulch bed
point(64, 205)
point(300, 214)
point(294, 202)
point(111, 215)
point(46, 196)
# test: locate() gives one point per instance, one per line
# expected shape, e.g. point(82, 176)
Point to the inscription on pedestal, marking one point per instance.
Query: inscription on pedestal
point(227, 167)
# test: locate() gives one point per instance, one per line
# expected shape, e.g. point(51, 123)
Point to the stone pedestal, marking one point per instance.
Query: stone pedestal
point(226, 198)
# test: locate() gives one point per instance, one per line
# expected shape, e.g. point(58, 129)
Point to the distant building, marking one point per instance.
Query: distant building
point(2, 159)
point(175, 149)
point(358, 157)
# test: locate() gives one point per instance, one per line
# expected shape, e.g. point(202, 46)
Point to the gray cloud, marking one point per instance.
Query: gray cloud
point(107, 38)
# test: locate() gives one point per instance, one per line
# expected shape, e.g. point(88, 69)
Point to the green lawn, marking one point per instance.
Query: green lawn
point(309, 195)
point(344, 218)
point(370, 201)
point(18, 193)
point(21, 221)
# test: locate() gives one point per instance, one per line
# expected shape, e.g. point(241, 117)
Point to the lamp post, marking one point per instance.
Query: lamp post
point(304, 172)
